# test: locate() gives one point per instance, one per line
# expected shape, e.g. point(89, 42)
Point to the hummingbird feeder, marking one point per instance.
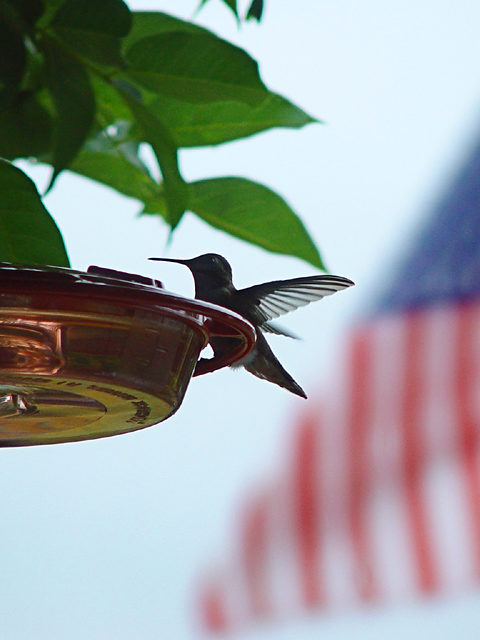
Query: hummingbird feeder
point(91, 354)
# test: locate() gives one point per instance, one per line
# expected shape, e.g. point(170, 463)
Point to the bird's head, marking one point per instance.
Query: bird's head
point(209, 270)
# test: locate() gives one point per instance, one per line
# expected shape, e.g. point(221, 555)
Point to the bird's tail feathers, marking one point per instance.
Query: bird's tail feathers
point(266, 367)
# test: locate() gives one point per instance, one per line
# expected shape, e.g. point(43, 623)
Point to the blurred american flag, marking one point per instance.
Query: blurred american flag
point(380, 498)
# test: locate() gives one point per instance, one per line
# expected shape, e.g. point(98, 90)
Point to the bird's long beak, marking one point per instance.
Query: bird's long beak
point(176, 260)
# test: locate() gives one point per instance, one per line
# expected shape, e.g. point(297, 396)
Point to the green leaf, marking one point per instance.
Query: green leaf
point(34, 77)
point(25, 128)
point(27, 13)
point(28, 234)
point(255, 11)
point(50, 9)
point(114, 169)
point(199, 125)
point(252, 212)
point(12, 48)
point(74, 101)
point(150, 23)
point(157, 135)
point(231, 4)
point(195, 67)
point(17, 20)
point(111, 107)
point(201, 5)
point(92, 16)
point(118, 166)
point(94, 29)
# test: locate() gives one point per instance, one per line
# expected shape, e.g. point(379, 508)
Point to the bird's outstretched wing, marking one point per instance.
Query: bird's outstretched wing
point(273, 299)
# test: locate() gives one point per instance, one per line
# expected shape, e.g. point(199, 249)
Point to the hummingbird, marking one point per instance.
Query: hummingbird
point(259, 305)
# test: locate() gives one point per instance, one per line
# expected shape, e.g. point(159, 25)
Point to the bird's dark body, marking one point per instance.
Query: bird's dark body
point(258, 304)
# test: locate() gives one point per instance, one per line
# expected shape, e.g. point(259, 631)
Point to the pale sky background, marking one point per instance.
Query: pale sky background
point(105, 540)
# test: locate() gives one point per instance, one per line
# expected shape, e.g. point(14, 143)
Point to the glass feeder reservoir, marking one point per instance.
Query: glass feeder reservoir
point(88, 355)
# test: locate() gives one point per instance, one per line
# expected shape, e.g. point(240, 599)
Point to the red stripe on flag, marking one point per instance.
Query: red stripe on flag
point(466, 367)
point(306, 494)
point(416, 330)
point(358, 427)
point(213, 609)
point(255, 556)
